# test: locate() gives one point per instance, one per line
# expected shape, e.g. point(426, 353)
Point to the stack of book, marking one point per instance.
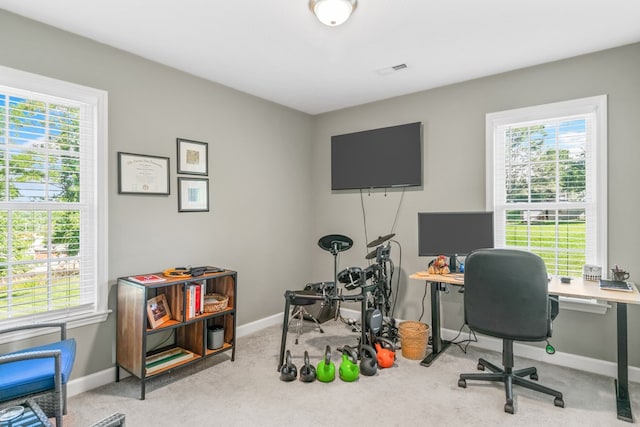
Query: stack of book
point(166, 358)
point(195, 299)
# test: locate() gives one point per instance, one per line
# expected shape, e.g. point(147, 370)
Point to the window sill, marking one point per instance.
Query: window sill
point(583, 304)
point(72, 322)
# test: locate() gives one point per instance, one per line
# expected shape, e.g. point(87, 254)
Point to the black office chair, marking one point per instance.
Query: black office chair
point(506, 296)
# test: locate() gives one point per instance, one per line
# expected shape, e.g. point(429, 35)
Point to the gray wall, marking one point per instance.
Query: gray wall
point(259, 158)
point(454, 177)
point(270, 185)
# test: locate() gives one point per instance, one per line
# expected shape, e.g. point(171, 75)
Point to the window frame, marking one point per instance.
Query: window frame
point(596, 105)
point(45, 87)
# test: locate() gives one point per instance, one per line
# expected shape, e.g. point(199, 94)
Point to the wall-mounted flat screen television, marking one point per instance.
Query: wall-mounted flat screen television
point(454, 233)
point(377, 158)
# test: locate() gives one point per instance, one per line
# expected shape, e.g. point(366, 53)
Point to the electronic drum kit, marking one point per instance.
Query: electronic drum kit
point(375, 299)
point(374, 282)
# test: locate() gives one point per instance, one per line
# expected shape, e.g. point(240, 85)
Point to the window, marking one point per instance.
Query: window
point(546, 182)
point(53, 200)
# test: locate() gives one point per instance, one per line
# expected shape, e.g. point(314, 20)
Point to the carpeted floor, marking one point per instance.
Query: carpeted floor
point(248, 392)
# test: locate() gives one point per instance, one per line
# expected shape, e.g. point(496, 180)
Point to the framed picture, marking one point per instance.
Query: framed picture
point(193, 194)
point(193, 157)
point(158, 311)
point(142, 174)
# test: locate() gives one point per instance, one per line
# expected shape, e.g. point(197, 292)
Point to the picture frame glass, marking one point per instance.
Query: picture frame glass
point(193, 157)
point(193, 195)
point(143, 174)
point(158, 311)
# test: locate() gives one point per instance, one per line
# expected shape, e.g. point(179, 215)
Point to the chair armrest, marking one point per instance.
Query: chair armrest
point(62, 326)
point(30, 355)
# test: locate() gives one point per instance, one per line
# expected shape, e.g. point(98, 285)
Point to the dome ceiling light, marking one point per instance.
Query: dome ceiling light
point(333, 12)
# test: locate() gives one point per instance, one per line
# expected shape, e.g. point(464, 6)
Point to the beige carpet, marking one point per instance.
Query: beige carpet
point(248, 392)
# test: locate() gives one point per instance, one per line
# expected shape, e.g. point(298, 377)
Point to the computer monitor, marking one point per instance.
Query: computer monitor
point(454, 233)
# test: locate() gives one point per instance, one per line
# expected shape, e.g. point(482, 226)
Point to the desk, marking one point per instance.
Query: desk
point(577, 288)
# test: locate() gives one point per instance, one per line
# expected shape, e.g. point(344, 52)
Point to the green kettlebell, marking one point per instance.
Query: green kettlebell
point(326, 370)
point(349, 370)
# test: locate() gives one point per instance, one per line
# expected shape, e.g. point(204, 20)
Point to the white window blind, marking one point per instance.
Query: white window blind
point(52, 199)
point(547, 182)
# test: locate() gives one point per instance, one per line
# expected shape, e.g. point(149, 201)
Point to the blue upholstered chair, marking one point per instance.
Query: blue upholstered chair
point(40, 373)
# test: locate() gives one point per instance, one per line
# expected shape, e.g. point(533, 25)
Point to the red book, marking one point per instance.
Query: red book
point(198, 298)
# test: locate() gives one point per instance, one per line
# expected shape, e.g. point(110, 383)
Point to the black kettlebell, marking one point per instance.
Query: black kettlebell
point(368, 361)
point(288, 372)
point(307, 371)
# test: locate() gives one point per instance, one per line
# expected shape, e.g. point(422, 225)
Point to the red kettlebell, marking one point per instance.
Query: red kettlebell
point(385, 352)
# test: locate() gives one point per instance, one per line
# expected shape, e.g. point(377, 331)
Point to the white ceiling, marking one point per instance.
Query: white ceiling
point(277, 50)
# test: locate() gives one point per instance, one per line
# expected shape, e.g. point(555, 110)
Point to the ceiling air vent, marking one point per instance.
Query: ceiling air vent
point(390, 70)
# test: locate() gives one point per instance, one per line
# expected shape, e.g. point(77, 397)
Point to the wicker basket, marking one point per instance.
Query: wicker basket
point(413, 338)
point(214, 303)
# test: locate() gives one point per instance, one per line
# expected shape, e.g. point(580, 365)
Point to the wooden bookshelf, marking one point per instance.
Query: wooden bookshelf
point(134, 328)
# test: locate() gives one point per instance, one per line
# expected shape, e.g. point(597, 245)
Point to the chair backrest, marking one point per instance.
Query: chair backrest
point(506, 294)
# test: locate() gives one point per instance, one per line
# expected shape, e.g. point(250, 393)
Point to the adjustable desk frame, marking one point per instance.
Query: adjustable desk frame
point(577, 288)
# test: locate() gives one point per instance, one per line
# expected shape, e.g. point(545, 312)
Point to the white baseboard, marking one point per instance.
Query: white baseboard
point(587, 364)
point(596, 366)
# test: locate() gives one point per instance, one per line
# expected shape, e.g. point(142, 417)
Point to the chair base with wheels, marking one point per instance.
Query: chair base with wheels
point(509, 377)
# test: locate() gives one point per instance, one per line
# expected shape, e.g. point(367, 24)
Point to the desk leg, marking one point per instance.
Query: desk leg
point(623, 400)
point(437, 344)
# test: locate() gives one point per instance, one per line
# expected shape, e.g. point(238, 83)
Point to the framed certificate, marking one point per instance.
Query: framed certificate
point(142, 174)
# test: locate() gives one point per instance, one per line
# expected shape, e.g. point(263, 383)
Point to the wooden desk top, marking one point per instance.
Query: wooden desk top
point(451, 278)
point(578, 288)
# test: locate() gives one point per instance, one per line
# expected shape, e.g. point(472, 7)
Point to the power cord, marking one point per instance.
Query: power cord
point(465, 342)
point(423, 298)
point(171, 333)
point(393, 309)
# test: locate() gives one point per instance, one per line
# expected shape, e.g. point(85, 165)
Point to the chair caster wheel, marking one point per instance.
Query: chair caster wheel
point(508, 407)
point(462, 383)
point(558, 402)
point(480, 367)
point(534, 377)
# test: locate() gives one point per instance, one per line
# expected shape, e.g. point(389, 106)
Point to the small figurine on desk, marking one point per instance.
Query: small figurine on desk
point(439, 266)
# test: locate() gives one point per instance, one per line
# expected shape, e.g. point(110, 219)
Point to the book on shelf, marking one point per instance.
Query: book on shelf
point(147, 278)
point(166, 358)
point(616, 285)
point(195, 299)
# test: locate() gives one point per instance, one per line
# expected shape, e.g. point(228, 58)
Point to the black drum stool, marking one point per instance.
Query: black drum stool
point(300, 300)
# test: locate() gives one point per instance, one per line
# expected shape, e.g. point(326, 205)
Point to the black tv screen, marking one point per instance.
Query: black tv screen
point(377, 158)
point(454, 233)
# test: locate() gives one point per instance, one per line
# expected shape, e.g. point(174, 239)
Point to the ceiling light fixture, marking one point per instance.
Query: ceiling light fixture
point(333, 12)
